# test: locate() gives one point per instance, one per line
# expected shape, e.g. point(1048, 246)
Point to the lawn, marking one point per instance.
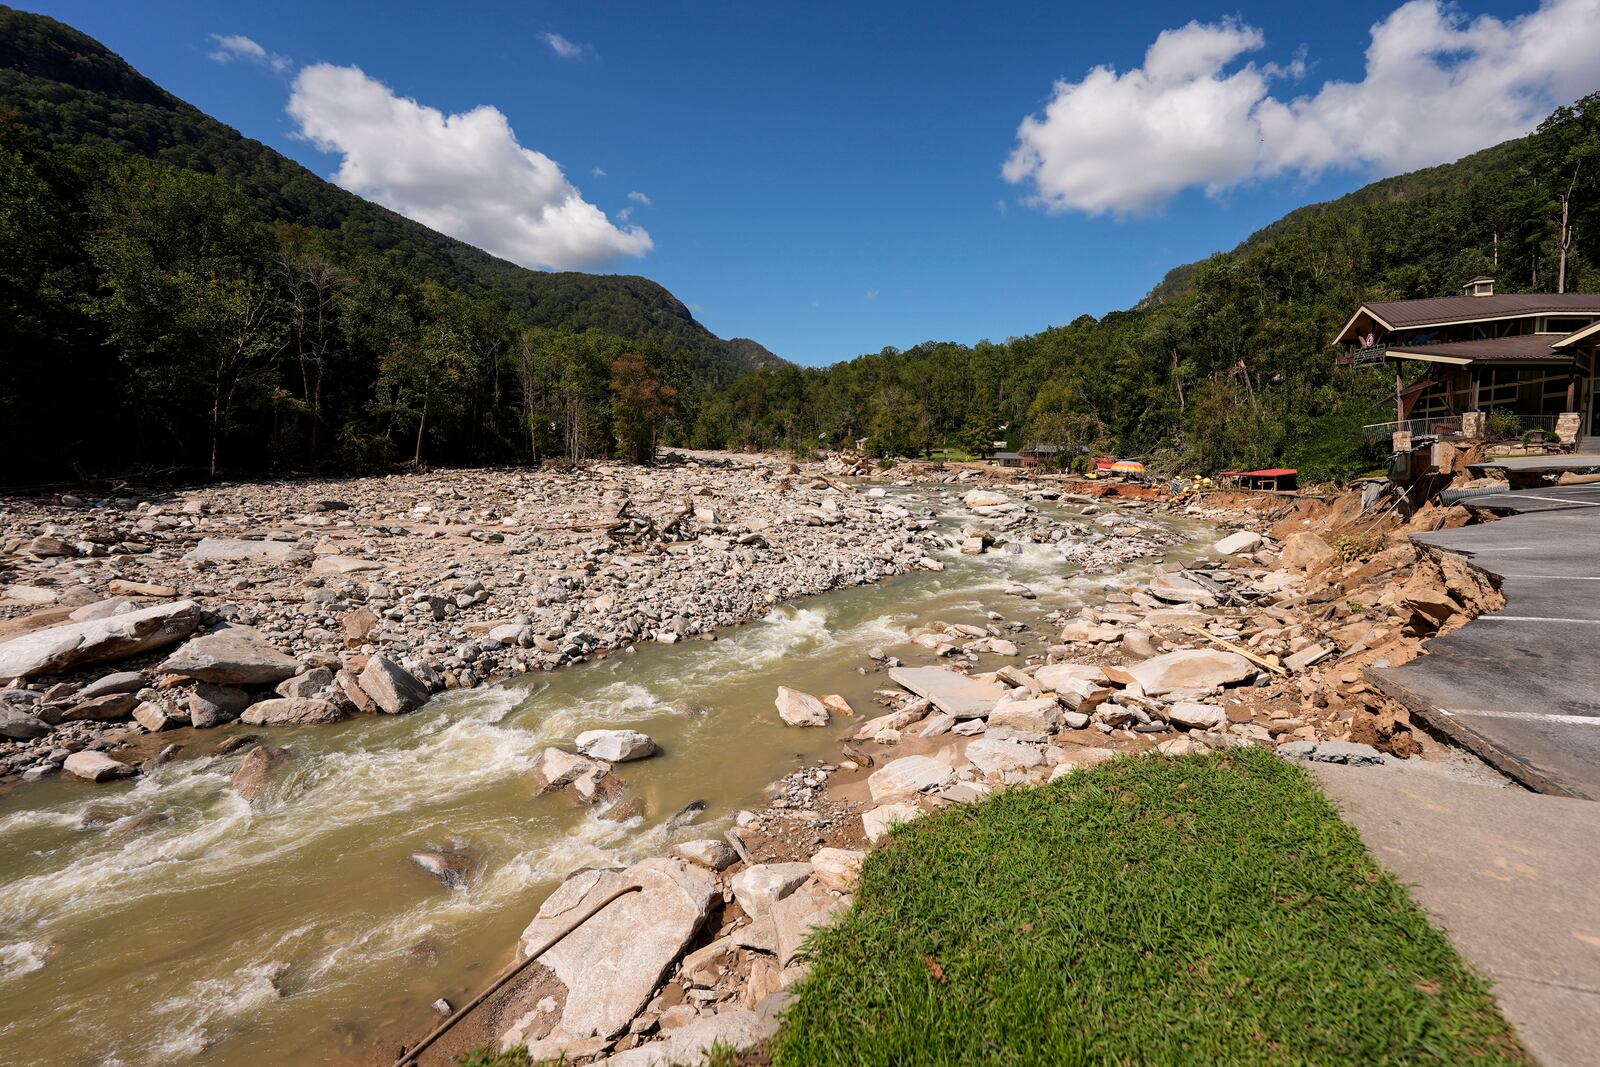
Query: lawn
point(1200, 910)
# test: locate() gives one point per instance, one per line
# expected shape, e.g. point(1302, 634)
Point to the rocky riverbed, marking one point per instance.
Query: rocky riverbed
point(1262, 643)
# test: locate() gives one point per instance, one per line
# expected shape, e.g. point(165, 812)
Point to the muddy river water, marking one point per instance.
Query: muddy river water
point(198, 927)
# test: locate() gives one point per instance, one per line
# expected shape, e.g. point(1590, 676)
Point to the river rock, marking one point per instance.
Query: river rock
point(1176, 589)
point(232, 655)
point(154, 717)
point(758, 887)
point(1195, 668)
point(838, 868)
point(212, 705)
point(734, 1028)
point(984, 498)
point(908, 776)
point(257, 769)
point(20, 726)
point(1057, 675)
point(877, 822)
point(1196, 716)
point(993, 756)
point(1089, 632)
point(1042, 716)
point(308, 684)
point(292, 711)
point(1305, 551)
point(615, 746)
point(60, 648)
point(329, 566)
point(957, 694)
point(112, 707)
point(1235, 543)
point(559, 768)
point(707, 852)
point(233, 548)
point(451, 866)
point(612, 963)
point(120, 682)
point(394, 689)
point(95, 767)
point(800, 709)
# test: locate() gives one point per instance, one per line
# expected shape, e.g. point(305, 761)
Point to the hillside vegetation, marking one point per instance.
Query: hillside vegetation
point(1228, 361)
point(170, 289)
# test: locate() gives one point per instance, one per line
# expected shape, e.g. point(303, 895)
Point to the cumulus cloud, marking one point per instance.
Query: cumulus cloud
point(566, 49)
point(464, 175)
point(639, 198)
point(598, 172)
point(1436, 86)
point(233, 46)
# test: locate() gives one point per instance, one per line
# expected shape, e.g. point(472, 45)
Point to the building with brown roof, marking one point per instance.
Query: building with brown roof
point(1529, 355)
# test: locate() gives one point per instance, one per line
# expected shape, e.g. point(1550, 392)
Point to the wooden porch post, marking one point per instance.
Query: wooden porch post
point(1399, 404)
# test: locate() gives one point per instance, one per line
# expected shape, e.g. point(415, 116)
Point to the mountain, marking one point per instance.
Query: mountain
point(75, 91)
point(1228, 361)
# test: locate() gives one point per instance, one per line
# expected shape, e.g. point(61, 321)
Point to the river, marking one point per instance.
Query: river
point(198, 927)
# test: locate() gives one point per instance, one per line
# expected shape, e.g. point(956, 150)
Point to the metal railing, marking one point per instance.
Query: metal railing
point(1497, 427)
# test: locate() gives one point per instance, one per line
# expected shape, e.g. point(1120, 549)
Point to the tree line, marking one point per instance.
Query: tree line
point(152, 319)
point(1228, 363)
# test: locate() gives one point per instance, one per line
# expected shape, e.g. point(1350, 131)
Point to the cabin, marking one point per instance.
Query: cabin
point(1522, 358)
point(1272, 479)
point(1038, 455)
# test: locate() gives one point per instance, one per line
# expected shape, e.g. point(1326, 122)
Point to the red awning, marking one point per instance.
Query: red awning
point(1276, 472)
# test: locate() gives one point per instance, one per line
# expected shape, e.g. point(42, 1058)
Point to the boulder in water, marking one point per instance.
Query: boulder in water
point(616, 746)
point(800, 709)
point(451, 866)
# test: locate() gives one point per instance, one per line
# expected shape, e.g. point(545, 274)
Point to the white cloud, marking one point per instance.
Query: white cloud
point(464, 175)
point(565, 48)
point(233, 46)
point(639, 198)
point(1437, 86)
point(598, 173)
point(872, 294)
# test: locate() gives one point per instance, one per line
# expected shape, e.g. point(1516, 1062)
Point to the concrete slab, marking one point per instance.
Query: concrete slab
point(1510, 876)
point(1520, 687)
point(1542, 464)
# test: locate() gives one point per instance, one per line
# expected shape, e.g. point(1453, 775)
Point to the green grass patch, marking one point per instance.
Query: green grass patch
point(1208, 909)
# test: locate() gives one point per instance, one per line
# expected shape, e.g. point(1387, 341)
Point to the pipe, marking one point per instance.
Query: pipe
point(409, 1057)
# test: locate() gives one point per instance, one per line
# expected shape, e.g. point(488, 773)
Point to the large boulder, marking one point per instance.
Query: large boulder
point(800, 709)
point(559, 768)
point(394, 689)
point(759, 887)
point(232, 655)
point(1307, 552)
point(212, 705)
point(615, 746)
point(233, 548)
point(1235, 543)
point(1041, 716)
point(795, 916)
point(61, 648)
point(1176, 589)
point(993, 756)
point(613, 962)
point(877, 822)
point(95, 767)
point(109, 707)
point(20, 726)
point(984, 498)
point(1194, 668)
point(734, 1028)
point(908, 776)
point(838, 868)
point(955, 694)
point(257, 769)
point(292, 711)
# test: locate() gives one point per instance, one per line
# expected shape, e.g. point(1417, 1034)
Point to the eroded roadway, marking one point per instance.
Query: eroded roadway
point(1521, 687)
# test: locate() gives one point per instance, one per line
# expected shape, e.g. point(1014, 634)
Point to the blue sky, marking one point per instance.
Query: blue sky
point(828, 179)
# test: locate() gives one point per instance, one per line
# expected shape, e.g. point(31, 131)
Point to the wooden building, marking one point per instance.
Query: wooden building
point(1528, 355)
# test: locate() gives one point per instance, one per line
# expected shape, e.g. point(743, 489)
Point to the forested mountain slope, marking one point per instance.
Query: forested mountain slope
point(175, 297)
point(1227, 361)
point(75, 91)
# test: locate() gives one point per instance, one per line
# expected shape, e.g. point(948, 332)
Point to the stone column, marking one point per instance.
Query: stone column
point(1474, 424)
point(1567, 426)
